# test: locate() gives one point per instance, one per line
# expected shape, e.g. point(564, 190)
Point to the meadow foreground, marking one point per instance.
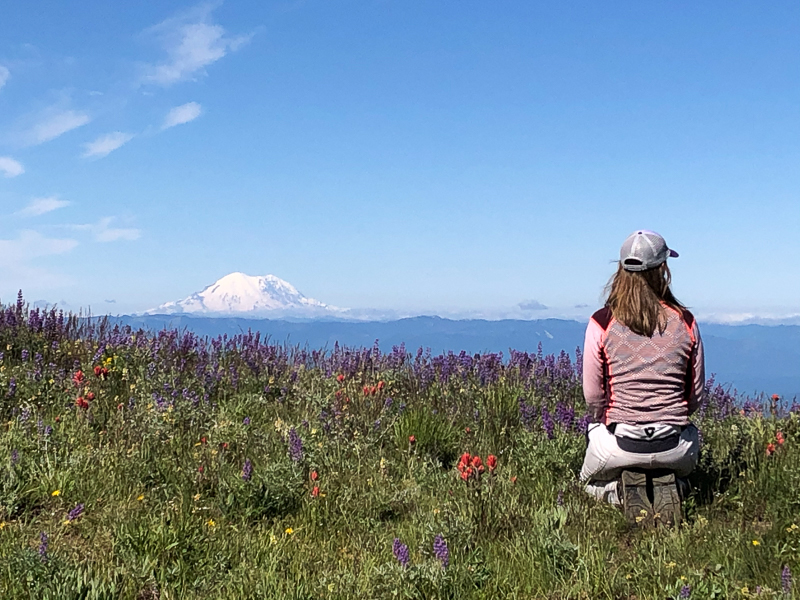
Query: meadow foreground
point(144, 466)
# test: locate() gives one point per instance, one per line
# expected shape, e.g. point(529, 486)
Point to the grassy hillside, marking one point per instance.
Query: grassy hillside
point(167, 466)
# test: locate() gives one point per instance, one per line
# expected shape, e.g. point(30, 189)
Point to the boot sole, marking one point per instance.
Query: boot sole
point(635, 504)
point(666, 500)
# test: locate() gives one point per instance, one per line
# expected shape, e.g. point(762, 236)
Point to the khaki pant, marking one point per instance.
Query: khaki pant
point(605, 461)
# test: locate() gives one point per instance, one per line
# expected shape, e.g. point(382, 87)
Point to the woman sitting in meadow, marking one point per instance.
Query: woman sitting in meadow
point(643, 377)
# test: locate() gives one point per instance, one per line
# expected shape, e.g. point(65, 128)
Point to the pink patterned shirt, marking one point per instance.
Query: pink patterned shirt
point(630, 378)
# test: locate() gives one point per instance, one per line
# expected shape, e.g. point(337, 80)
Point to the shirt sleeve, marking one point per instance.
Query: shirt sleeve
point(593, 372)
point(698, 372)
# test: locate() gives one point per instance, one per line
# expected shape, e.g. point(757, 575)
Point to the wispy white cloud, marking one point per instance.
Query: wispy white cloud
point(182, 114)
point(105, 144)
point(40, 206)
point(4, 75)
point(18, 257)
point(192, 42)
point(102, 231)
point(53, 123)
point(32, 244)
point(10, 167)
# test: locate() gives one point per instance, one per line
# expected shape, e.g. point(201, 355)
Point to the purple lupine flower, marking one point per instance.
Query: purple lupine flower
point(387, 404)
point(565, 415)
point(25, 354)
point(246, 421)
point(295, 445)
point(75, 512)
point(686, 592)
point(548, 423)
point(527, 413)
point(43, 542)
point(786, 580)
point(247, 470)
point(441, 550)
point(48, 429)
point(582, 424)
point(377, 424)
point(14, 456)
point(400, 551)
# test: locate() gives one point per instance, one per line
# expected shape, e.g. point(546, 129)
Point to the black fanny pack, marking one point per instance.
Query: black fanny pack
point(648, 446)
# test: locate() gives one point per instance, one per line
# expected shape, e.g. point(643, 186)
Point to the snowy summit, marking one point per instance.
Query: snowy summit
point(240, 294)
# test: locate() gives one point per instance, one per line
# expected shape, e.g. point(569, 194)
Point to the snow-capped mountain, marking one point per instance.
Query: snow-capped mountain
point(240, 294)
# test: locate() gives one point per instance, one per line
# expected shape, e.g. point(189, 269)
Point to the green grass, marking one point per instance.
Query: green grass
point(168, 514)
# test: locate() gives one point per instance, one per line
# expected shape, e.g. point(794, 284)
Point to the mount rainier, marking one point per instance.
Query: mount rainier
point(240, 294)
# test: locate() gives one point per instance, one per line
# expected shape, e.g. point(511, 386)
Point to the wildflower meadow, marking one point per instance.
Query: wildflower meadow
point(138, 465)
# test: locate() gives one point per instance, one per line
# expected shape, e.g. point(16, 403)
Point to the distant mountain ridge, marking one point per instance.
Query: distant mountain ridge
point(750, 358)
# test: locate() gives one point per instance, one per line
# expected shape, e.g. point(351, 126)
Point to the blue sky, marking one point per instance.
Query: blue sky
point(414, 155)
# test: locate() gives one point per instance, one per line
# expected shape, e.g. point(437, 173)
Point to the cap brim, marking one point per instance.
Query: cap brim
point(673, 254)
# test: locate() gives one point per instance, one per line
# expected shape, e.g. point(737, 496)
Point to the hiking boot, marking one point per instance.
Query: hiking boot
point(635, 504)
point(666, 500)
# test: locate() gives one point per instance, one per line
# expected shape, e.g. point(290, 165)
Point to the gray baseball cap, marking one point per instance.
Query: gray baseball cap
point(644, 250)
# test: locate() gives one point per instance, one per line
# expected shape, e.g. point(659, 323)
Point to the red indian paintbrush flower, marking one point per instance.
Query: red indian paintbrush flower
point(779, 438)
point(90, 396)
point(315, 491)
point(477, 464)
point(314, 475)
point(381, 385)
point(78, 378)
point(98, 370)
point(412, 439)
point(340, 377)
point(81, 403)
point(466, 473)
point(770, 448)
point(491, 462)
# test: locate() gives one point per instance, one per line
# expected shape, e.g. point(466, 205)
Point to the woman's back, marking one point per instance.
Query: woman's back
point(648, 379)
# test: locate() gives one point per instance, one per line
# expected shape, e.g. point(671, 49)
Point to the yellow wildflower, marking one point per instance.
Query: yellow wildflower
point(140, 497)
point(2, 524)
point(196, 497)
point(756, 543)
point(289, 531)
point(56, 493)
point(671, 565)
point(211, 523)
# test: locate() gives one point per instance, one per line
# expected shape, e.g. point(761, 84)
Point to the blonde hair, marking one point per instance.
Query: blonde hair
point(637, 298)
